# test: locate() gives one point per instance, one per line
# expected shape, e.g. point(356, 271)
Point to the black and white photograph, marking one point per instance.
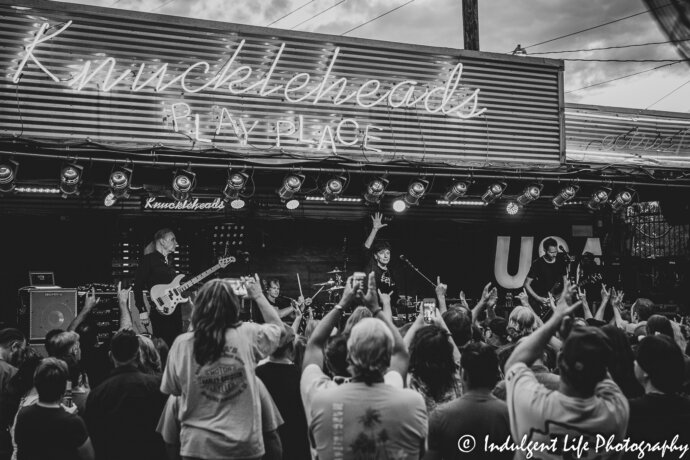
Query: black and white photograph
point(344, 229)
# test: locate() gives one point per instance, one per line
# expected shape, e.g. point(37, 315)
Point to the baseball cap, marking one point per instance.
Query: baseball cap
point(586, 354)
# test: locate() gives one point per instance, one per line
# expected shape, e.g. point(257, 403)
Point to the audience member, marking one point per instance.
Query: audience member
point(661, 413)
point(12, 345)
point(477, 412)
point(367, 417)
point(587, 402)
point(281, 377)
point(45, 430)
point(126, 406)
point(212, 370)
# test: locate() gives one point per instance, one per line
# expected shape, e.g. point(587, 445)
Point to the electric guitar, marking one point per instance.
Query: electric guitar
point(165, 297)
point(544, 311)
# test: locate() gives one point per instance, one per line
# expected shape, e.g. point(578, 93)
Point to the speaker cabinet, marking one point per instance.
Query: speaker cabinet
point(50, 309)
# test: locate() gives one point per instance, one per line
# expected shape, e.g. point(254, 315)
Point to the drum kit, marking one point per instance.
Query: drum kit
point(334, 288)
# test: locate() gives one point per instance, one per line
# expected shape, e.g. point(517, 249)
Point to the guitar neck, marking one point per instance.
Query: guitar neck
point(198, 278)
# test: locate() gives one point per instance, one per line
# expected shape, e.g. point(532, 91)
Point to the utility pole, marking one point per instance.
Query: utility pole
point(470, 24)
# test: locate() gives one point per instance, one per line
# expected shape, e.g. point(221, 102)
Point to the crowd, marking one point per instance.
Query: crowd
point(463, 383)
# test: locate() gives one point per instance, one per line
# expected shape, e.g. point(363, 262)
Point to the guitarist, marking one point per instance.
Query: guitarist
point(155, 268)
point(546, 275)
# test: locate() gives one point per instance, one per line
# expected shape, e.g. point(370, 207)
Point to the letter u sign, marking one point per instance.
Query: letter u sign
point(501, 262)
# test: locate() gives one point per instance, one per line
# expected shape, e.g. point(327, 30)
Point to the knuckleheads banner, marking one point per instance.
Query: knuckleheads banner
point(103, 78)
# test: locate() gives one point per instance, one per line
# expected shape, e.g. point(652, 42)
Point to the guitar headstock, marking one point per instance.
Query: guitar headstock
point(225, 261)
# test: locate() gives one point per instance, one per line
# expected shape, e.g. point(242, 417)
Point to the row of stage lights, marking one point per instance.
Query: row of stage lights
point(184, 183)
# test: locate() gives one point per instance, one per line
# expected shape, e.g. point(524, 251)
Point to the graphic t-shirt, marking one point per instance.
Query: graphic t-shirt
point(540, 415)
point(356, 420)
point(220, 412)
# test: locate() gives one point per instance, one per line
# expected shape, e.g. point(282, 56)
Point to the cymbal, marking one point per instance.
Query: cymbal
point(327, 283)
point(334, 272)
point(335, 288)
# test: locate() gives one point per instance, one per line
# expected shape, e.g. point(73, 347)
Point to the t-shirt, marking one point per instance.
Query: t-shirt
point(282, 381)
point(356, 420)
point(48, 433)
point(475, 414)
point(546, 275)
point(659, 417)
point(314, 380)
point(169, 425)
point(539, 414)
point(220, 411)
point(386, 278)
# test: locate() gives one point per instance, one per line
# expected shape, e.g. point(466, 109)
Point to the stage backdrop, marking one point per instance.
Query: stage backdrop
point(101, 78)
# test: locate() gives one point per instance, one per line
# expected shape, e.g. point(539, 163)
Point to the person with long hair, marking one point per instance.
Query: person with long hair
point(212, 370)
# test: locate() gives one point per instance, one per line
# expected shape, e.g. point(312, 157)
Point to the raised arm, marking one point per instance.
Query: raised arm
point(441, 290)
point(123, 302)
point(89, 302)
point(313, 353)
point(605, 296)
point(376, 226)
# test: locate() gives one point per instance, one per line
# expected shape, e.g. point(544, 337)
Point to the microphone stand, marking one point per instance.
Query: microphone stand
point(406, 260)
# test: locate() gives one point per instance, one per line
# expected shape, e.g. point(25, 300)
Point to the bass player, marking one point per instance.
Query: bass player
point(155, 268)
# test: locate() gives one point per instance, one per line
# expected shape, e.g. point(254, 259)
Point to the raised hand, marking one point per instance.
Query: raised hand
point(617, 298)
point(486, 293)
point(253, 284)
point(376, 220)
point(122, 294)
point(441, 288)
point(493, 298)
point(349, 293)
point(605, 295)
point(523, 298)
point(463, 300)
point(91, 300)
point(371, 298)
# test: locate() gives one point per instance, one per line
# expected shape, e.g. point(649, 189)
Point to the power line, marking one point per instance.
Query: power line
point(161, 5)
point(667, 95)
point(318, 14)
point(596, 27)
point(625, 60)
point(624, 76)
point(377, 17)
point(611, 47)
point(293, 11)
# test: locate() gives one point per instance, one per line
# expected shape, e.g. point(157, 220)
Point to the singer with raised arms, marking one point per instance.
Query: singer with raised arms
point(378, 257)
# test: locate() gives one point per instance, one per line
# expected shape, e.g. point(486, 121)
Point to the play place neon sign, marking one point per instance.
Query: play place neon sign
point(449, 99)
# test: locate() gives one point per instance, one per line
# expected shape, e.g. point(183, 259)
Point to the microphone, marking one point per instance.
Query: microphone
point(403, 258)
point(562, 249)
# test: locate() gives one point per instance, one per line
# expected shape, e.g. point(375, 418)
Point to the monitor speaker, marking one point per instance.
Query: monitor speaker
point(50, 309)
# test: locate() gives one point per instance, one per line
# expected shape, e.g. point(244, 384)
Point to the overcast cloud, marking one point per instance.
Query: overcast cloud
point(502, 24)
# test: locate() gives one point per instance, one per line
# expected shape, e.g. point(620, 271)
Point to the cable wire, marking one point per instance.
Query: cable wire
point(626, 60)
point(667, 95)
point(595, 27)
point(293, 11)
point(612, 47)
point(378, 17)
point(318, 14)
point(624, 76)
point(161, 6)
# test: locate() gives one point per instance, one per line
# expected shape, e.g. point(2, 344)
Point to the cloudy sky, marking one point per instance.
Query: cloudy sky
point(502, 25)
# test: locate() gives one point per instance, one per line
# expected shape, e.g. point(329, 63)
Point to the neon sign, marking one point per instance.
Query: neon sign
point(449, 99)
point(154, 204)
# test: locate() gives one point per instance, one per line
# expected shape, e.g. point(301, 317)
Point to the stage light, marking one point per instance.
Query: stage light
point(292, 204)
point(375, 190)
point(333, 188)
point(622, 200)
point(70, 179)
point(456, 190)
point(566, 194)
point(120, 181)
point(512, 208)
point(8, 174)
point(237, 203)
point(399, 205)
point(235, 184)
point(599, 197)
point(531, 193)
point(183, 184)
point(415, 191)
point(494, 192)
point(291, 185)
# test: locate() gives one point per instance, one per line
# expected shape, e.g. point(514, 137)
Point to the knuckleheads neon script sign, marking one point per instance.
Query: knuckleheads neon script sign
point(155, 204)
point(449, 99)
